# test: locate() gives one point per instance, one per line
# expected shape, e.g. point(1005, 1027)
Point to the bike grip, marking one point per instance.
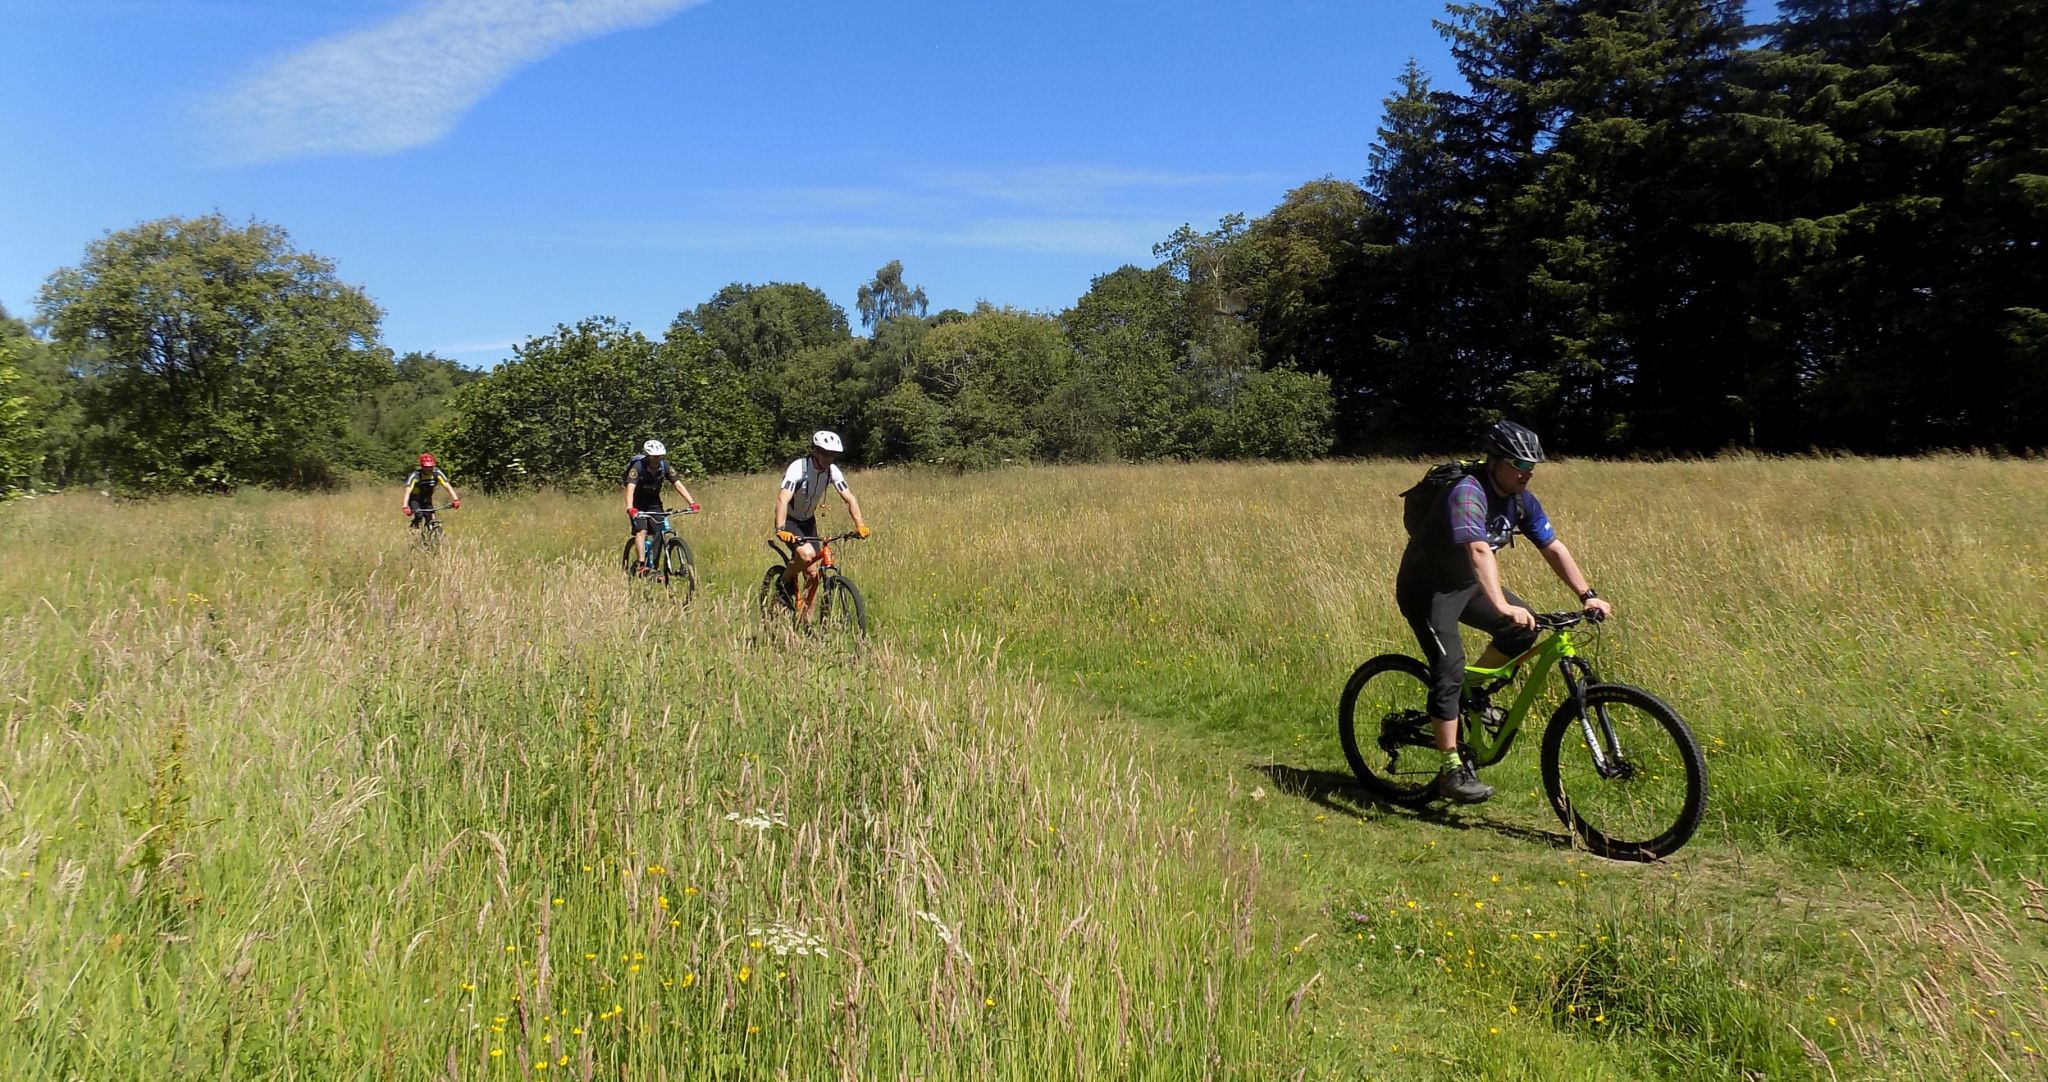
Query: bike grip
point(406, 510)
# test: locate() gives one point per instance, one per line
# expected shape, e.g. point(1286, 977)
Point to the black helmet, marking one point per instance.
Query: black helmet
point(1510, 440)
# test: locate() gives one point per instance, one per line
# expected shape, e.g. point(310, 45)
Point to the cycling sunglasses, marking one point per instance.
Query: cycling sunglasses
point(1523, 464)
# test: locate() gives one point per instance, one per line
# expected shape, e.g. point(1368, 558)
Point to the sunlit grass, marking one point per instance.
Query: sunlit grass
point(285, 798)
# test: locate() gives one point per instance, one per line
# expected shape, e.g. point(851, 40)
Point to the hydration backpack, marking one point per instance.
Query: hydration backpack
point(1422, 497)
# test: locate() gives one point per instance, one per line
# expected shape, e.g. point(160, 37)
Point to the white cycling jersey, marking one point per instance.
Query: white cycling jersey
point(806, 484)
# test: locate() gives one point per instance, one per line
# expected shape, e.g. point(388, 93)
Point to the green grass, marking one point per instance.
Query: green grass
point(284, 798)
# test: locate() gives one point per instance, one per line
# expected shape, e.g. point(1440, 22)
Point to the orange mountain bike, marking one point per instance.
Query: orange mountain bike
point(833, 606)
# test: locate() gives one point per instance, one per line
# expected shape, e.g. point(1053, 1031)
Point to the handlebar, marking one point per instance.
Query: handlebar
point(664, 514)
point(1558, 621)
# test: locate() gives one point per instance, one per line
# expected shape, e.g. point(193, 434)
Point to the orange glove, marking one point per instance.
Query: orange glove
point(785, 537)
point(861, 531)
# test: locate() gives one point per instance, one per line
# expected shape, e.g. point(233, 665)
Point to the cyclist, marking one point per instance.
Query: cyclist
point(1449, 575)
point(419, 489)
point(796, 507)
point(644, 478)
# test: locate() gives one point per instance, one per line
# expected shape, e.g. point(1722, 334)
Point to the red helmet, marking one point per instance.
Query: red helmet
point(426, 462)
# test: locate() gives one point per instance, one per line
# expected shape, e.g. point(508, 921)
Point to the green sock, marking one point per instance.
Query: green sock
point(1452, 760)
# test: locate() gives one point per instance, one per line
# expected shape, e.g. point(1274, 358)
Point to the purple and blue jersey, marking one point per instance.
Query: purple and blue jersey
point(1469, 511)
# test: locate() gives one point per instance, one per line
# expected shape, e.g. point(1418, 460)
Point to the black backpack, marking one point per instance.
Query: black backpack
point(1422, 497)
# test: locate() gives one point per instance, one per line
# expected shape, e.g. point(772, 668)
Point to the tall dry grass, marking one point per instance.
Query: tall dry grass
point(285, 798)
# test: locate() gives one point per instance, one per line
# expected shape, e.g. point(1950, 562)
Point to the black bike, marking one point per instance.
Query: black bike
point(663, 557)
point(837, 601)
point(427, 527)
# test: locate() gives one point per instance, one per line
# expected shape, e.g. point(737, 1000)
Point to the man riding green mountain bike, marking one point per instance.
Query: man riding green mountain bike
point(1450, 576)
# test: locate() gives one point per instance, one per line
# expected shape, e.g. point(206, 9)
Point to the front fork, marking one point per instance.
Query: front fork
point(1609, 760)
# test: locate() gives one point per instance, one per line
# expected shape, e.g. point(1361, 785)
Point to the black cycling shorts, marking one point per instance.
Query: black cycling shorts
point(1435, 614)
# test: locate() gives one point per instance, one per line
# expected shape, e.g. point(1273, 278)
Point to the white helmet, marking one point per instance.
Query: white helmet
point(653, 448)
point(827, 441)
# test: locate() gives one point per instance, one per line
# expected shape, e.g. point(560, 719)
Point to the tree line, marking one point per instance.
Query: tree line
point(1641, 226)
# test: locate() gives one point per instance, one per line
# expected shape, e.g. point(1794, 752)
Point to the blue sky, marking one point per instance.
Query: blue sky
point(486, 169)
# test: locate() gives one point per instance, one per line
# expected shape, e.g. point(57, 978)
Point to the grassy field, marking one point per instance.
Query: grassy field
point(285, 798)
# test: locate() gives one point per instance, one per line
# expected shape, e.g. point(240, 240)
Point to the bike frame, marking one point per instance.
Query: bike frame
point(1555, 651)
point(804, 596)
point(650, 542)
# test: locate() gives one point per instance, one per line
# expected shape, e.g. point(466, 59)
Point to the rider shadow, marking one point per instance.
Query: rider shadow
point(1341, 793)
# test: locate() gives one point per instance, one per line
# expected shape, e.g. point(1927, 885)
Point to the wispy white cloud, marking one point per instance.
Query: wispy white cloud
point(405, 82)
point(1110, 237)
point(1096, 211)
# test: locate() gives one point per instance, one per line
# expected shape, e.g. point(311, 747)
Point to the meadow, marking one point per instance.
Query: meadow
point(282, 797)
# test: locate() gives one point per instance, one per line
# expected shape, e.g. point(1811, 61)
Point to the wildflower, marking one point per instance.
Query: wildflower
point(689, 892)
point(689, 979)
point(656, 869)
point(990, 1001)
point(745, 972)
point(661, 901)
point(762, 820)
point(468, 986)
point(564, 1061)
point(496, 1052)
point(558, 901)
point(589, 957)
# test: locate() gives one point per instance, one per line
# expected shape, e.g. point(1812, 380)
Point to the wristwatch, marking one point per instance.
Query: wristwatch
point(1589, 595)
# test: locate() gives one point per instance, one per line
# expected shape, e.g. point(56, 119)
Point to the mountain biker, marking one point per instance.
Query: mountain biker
point(796, 507)
point(419, 490)
point(1449, 575)
point(644, 478)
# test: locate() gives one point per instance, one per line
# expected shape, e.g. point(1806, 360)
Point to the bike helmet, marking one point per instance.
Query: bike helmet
point(827, 441)
point(426, 462)
point(1510, 440)
point(653, 449)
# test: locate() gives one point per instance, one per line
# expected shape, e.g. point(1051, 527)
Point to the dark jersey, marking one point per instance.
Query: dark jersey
point(647, 476)
point(421, 486)
point(1470, 511)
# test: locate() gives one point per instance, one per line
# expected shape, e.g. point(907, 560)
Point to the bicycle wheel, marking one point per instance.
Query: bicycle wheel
point(680, 569)
point(840, 608)
point(1383, 723)
point(629, 560)
point(776, 604)
point(1650, 797)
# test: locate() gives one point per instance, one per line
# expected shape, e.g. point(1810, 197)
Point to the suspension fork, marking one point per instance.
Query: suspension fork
point(1608, 758)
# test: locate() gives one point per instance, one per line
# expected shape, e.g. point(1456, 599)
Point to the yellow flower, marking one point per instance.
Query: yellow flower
point(689, 979)
point(564, 1061)
point(589, 957)
point(745, 972)
point(656, 869)
point(634, 968)
point(558, 901)
point(468, 987)
point(989, 1001)
point(753, 1029)
point(496, 1052)
point(689, 892)
point(662, 901)
point(576, 1032)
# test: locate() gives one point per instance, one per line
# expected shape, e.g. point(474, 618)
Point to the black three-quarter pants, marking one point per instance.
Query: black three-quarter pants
point(1435, 614)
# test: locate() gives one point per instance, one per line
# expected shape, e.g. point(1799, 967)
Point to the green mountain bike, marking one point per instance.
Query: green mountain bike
point(1622, 770)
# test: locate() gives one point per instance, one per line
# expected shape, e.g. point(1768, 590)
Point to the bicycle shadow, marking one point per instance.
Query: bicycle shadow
point(1341, 793)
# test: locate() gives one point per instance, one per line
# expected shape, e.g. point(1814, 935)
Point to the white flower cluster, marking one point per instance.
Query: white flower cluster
point(783, 941)
point(762, 819)
point(945, 933)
